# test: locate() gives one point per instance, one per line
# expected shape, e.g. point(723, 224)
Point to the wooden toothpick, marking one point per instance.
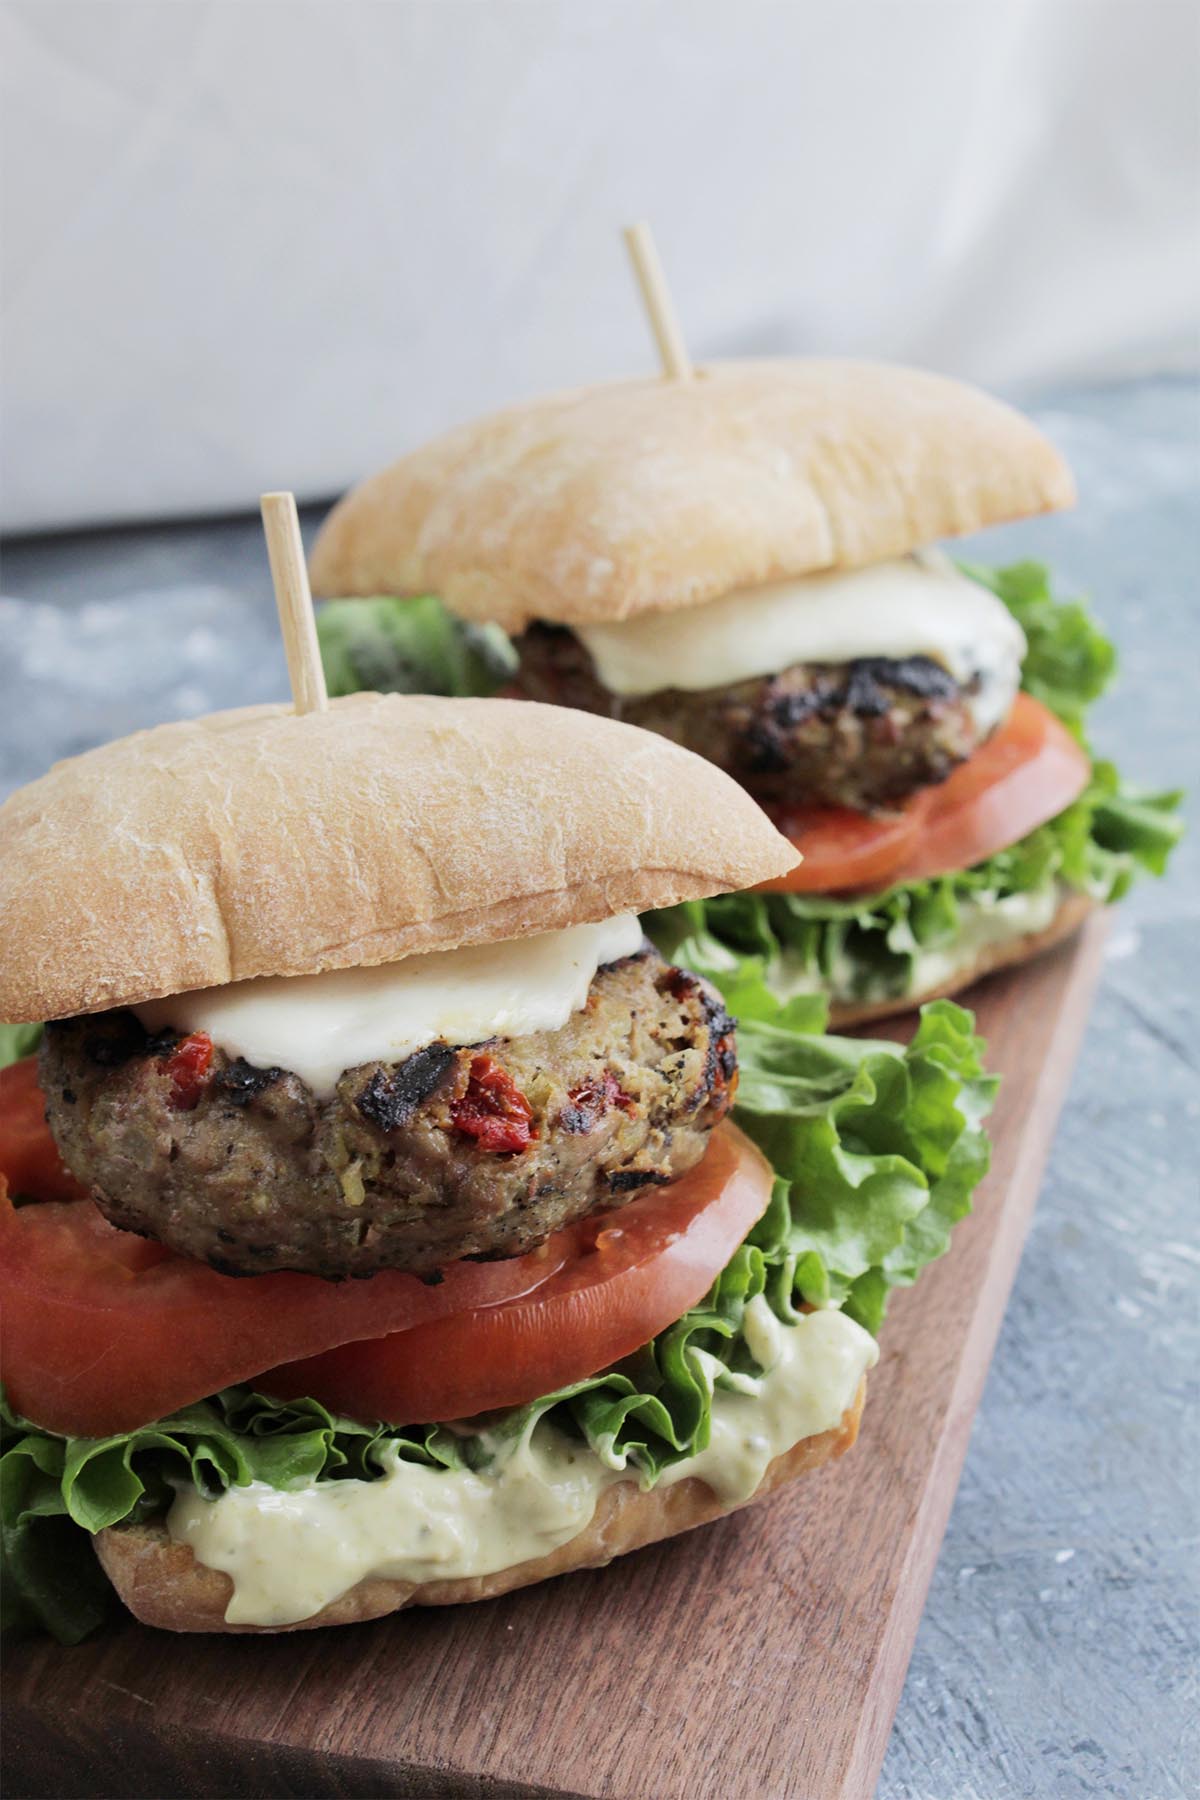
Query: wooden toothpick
point(677, 364)
point(293, 597)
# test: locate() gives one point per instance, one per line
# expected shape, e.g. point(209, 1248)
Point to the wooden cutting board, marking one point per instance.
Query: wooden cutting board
point(760, 1656)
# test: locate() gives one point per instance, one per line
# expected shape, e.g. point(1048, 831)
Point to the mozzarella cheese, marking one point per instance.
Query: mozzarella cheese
point(320, 1025)
point(290, 1553)
point(914, 606)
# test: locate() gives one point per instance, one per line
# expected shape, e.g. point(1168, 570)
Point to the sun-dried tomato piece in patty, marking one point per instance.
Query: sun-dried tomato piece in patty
point(493, 1110)
point(591, 1099)
point(188, 1068)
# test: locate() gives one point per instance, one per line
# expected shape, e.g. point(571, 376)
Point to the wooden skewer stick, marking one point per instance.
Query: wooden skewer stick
point(293, 597)
point(656, 296)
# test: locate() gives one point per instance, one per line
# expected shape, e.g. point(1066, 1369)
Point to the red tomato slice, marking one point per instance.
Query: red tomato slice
point(633, 1273)
point(28, 1154)
point(102, 1331)
point(1027, 773)
point(845, 849)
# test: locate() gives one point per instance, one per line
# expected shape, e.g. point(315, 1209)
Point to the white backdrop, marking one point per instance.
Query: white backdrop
point(264, 243)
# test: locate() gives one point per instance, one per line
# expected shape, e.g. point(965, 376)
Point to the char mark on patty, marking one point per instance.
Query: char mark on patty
point(628, 1181)
point(861, 688)
point(110, 1039)
point(241, 1082)
point(720, 1062)
point(393, 1095)
point(863, 734)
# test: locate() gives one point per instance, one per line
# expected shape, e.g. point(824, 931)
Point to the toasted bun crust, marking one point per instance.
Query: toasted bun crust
point(162, 1583)
point(263, 843)
point(1072, 911)
point(635, 496)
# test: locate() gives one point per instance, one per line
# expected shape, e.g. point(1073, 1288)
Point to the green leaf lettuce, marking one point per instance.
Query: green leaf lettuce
point(409, 647)
point(17, 1041)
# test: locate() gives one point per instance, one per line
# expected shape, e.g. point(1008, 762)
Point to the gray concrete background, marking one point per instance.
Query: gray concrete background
point(1058, 1653)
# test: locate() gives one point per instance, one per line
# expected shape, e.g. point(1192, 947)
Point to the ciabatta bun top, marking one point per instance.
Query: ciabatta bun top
point(651, 495)
point(259, 842)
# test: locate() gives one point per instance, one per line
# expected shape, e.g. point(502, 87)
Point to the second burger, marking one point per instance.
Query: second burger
point(746, 563)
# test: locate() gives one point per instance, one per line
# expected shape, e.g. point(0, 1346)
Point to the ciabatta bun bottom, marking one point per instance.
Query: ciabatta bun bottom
point(162, 1584)
point(1072, 911)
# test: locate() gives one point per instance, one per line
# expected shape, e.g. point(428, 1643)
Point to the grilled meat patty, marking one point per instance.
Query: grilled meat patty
point(482, 1151)
point(863, 734)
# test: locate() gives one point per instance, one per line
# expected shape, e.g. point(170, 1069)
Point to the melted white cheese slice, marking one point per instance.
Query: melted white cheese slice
point(290, 1553)
point(913, 606)
point(320, 1025)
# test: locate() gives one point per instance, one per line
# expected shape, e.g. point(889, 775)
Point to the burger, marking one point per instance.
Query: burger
point(384, 1220)
point(748, 563)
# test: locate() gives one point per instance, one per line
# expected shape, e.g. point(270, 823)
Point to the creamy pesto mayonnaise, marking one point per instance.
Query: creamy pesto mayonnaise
point(289, 1554)
point(319, 1025)
point(911, 606)
point(983, 923)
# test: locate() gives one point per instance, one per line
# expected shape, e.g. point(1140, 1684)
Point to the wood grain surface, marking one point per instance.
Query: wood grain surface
point(760, 1656)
